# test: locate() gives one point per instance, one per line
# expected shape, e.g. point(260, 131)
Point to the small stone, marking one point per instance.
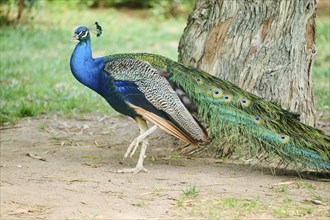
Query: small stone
point(317, 202)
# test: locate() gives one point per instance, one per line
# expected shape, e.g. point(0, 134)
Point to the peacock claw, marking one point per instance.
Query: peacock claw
point(135, 170)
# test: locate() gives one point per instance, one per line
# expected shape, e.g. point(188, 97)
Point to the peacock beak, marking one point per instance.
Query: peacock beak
point(75, 37)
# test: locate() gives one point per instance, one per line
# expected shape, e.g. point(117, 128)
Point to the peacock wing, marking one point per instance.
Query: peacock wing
point(151, 96)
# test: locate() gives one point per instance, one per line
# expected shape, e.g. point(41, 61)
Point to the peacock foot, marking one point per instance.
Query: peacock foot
point(135, 170)
point(139, 139)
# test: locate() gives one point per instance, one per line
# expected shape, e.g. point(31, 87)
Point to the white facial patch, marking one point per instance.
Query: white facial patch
point(86, 32)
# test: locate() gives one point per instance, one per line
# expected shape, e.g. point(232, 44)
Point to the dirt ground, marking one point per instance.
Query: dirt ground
point(60, 168)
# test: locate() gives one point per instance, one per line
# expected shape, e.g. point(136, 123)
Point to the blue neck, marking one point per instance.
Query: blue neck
point(87, 70)
point(90, 73)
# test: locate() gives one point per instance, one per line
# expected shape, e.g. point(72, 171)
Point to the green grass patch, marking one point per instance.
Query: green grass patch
point(187, 195)
point(41, 126)
point(92, 157)
point(321, 67)
point(54, 137)
point(235, 207)
point(140, 204)
point(306, 185)
point(190, 192)
point(289, 209)
point(219, 208)
point(280, 188)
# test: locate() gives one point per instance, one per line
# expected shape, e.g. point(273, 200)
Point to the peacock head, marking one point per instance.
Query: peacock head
point(81, 34)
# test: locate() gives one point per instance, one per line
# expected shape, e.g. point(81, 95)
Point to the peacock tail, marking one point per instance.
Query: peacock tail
point(242, 117)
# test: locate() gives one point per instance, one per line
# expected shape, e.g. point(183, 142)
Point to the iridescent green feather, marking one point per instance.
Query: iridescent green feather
point(239, 116)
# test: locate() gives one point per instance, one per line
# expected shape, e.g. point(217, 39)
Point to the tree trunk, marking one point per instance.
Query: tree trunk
point(21, 6)
point(265, 47)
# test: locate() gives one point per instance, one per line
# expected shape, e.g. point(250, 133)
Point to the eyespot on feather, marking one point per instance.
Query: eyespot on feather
point(257, 120)
point(216, 93)
point(227, 98)
point(199, 80)
point(284, 138)
point(245, 102)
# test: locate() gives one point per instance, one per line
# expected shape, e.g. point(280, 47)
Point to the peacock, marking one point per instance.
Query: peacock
point(193, 106)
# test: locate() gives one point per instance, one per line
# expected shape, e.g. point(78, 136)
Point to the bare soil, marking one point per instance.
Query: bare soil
point(60, 168)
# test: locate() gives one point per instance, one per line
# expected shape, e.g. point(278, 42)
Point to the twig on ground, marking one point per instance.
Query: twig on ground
point(10, 127)
point(35, 157)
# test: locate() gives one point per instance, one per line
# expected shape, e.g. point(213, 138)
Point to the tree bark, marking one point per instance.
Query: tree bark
point(21, 6)
point(265, 47)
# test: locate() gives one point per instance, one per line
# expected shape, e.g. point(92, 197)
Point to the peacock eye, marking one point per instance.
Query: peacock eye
point(199, 80)
point(217, 93)
point(245, 102)
point(284, 138)
point(257, 120)
point(83, 33)
point(227, 98)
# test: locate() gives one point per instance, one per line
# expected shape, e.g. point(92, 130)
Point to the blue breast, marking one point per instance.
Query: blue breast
point(89, 72)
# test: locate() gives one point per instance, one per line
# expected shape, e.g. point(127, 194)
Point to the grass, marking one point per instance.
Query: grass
point(34, 64)
point(191, 192)
point(235, 207)
point(220, 208)
point(140, 204)
point(281, 189)
point(284, 202)
point(92, 157)
point(321, 67)
point(288, 208)
point(187, 194)
point(305, 185)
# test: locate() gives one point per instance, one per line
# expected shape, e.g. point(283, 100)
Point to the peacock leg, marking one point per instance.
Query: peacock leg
point(135, 143)
point(144, 132)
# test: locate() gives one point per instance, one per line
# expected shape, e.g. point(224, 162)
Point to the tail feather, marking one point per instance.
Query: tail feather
point(228, 109)
point(291, 150)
